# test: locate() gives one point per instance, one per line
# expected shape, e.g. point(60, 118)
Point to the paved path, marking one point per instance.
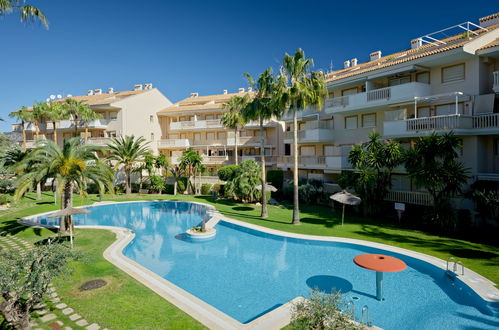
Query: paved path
point(47, 316)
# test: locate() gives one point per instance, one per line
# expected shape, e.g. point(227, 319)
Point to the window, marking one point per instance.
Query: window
point(152, 136)
point(399, 81)
point(392, 115)
point(453, 73)
point(369, 120)
point(151, 119)
point(113, 115)
point(210, 136)
point(449, 109)
point(183, 136)
point(423, 112)
point(307, 151)
point(423, 77)
point(287, 149)
point(197, 136)
point(351, 122)
point(349, 91)
point(221, 135)
point(209, 117)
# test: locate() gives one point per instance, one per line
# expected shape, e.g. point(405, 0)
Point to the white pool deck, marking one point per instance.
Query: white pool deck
point(275, 319)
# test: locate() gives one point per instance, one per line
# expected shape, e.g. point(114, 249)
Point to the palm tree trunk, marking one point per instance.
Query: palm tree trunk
point(235, 145)
point(67, 201)
point(76, 126)
point(24, 136)
point(86, 132)
point(55, 132)
point(296, 206)
point(128, 179)
point(38, 191)
point(175, 187)
point(36, 129)
point(264, 179)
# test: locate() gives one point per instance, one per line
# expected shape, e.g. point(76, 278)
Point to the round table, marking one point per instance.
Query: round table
point(379, 263)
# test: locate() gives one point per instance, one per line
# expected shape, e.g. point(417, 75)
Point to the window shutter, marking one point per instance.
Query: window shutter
point(453, 73)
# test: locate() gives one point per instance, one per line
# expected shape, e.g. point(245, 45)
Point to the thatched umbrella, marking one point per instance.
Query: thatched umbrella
point(68, 212)
point(345, 198)
point(268, 187)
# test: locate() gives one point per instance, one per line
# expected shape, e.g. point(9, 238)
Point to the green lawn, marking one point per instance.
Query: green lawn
point(128, 304)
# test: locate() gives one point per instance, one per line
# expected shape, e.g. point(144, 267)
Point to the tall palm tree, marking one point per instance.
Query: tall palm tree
point(127, 151)
point(25, 116)
point(176, 171)
point(27, 13)
point(75, 109)
point(71, 166)
point(87, 115)
point(234, 119)
point(304, 89)
point(40, 112)
point(263, 106)
point(56, 111)
point(191, 161)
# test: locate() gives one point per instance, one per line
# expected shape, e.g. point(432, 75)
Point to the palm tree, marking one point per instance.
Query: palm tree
point(233, 119)
point(191, 161)
point(304, 89)
point(127, 151)
point(27, 13)
point(56, 111)
point(176, 171)
point(25, 116)
point(75, 109)
point(71, 166)
point(40, 112)
point(87, 115)
point(263, 107)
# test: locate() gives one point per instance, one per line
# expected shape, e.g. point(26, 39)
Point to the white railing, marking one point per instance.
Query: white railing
point(486, 121)
point(258, 159)
point(379, 94)
point(496, 81)
point(186, 125)
point(409, 197)
point(289, 134)
point(214, 142)
point(215, 159)
point(171, 143)
point(340, 101)
point(439, 122)
point(244, 140)
point(302, 160)
point(99, 141)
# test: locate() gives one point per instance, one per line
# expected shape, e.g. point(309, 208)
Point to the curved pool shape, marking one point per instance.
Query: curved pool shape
point(246, 273)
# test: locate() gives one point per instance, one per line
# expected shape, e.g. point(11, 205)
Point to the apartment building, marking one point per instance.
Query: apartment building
point(194, 122)
point(439, 84)
point(123, 113)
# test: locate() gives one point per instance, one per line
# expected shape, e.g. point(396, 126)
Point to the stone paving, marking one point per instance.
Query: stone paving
point(49, 320)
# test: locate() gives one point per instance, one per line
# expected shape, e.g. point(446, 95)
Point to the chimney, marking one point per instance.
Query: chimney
point(416, 43)
point(240, 90)
point(225, 92)
point(489, 20)
point(110, 90)
point(90, 92)
point(148, 86)
point(98, 91)
point(353, 61)
point(375, 55)
point(346, 64)
point(137, 87)
point(194, 94)
point(250, 89)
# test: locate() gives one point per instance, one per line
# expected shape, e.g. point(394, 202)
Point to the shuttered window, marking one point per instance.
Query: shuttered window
point(449, 109)
point(423, 77)
point(453, 73)
point(351, 122)
point(392, 115)
point(369, 120)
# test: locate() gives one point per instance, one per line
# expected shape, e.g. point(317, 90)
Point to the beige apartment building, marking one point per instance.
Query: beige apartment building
point(131, 112)
point(194, 122)
point(439, 84)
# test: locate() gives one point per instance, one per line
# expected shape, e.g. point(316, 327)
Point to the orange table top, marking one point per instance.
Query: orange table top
point(379, 263)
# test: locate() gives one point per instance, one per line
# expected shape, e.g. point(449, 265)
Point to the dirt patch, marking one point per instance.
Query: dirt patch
point(93, 284)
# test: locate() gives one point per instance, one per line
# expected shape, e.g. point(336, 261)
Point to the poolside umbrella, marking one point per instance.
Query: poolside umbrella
point(268, 187)
point(345, 198)
point(68, 212)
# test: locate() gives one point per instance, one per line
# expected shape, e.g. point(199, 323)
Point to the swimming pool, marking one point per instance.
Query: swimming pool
point(245, 273)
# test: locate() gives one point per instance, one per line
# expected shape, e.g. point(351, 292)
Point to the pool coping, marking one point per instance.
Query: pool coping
point(214, 318)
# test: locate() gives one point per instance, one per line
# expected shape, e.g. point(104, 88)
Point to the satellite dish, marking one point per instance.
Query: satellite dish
point(52, 97)
point(69, 95)
point(59, 96)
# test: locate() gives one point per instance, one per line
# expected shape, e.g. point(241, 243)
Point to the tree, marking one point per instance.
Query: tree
point(374, 162)
point(234, 119)
point(27, 13)
point(56, 111)
point(71, 166)
point(263, 107)
point(176, 171)
point(433, 163)
point(25, 279)
point(244, 182)
point(147, 164)
point(127, 151)
point(75, 109)
point(40, 111)
point(191, 161)
point(25, 116)
point(161, 163)
point(304, 89)
point(87, 115)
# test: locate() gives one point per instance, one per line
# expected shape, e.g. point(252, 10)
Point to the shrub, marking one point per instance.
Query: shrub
point(276, 177)
point(227, 173)
point(310, 193)
point(205, 188)
point(246, 178)
point(6, 186)
point(157, 183)
point(3, 199)
point(169, 189)
point(321, 311)
point(182, 184)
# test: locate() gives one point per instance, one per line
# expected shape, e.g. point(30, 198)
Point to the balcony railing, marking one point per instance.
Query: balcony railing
point(490, 120)
point(195, 124)
point(496, 81)
point(173, 143)
point(244, 140)
point(99, 141)
point(409, 197)
point(268, 159)
point(303, 161)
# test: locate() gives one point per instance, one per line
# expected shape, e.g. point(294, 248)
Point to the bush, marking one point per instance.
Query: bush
point(227, 173)
point(206, 188)
point(246, 178)
point(182, 184)
point(157, 183)
point(3, 199)
point(169, 189)
point(310, 193)
point(6, 186)
point(276, 177)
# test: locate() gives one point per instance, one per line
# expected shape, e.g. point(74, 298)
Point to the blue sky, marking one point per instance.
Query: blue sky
point(199, 46)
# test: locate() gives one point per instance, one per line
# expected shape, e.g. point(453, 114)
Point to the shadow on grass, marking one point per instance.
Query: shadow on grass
point(242, 208)
point(12, 227)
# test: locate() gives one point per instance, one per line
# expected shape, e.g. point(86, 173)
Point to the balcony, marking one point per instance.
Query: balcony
point(460, 124)
point(312, 162)
point(195, 125)
point(337, 160)
point(70, 124)
point(301, 115)
point(269, 160)
point(209, 160)
point(409, 197)
point(496, 81)
point(377, 97)
point(173, 143)
point(99, 141)
point(314, 132)
point(252, 141)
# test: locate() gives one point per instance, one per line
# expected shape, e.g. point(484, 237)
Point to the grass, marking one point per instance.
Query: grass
point(128, 304)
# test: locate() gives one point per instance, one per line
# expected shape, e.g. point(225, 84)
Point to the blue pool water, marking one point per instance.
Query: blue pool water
point(246, 273)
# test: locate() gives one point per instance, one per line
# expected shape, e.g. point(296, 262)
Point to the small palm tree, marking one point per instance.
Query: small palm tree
point(75, 109)
point(56, 111)
point(263, 107)
point(191, 161)
point(40, 112)
point(304, 89)
point(71, 166)
point(25, 116)
point(176, 171)
point(234, 119)
point(87, 115)
point(127, 151)
point(27, 13)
